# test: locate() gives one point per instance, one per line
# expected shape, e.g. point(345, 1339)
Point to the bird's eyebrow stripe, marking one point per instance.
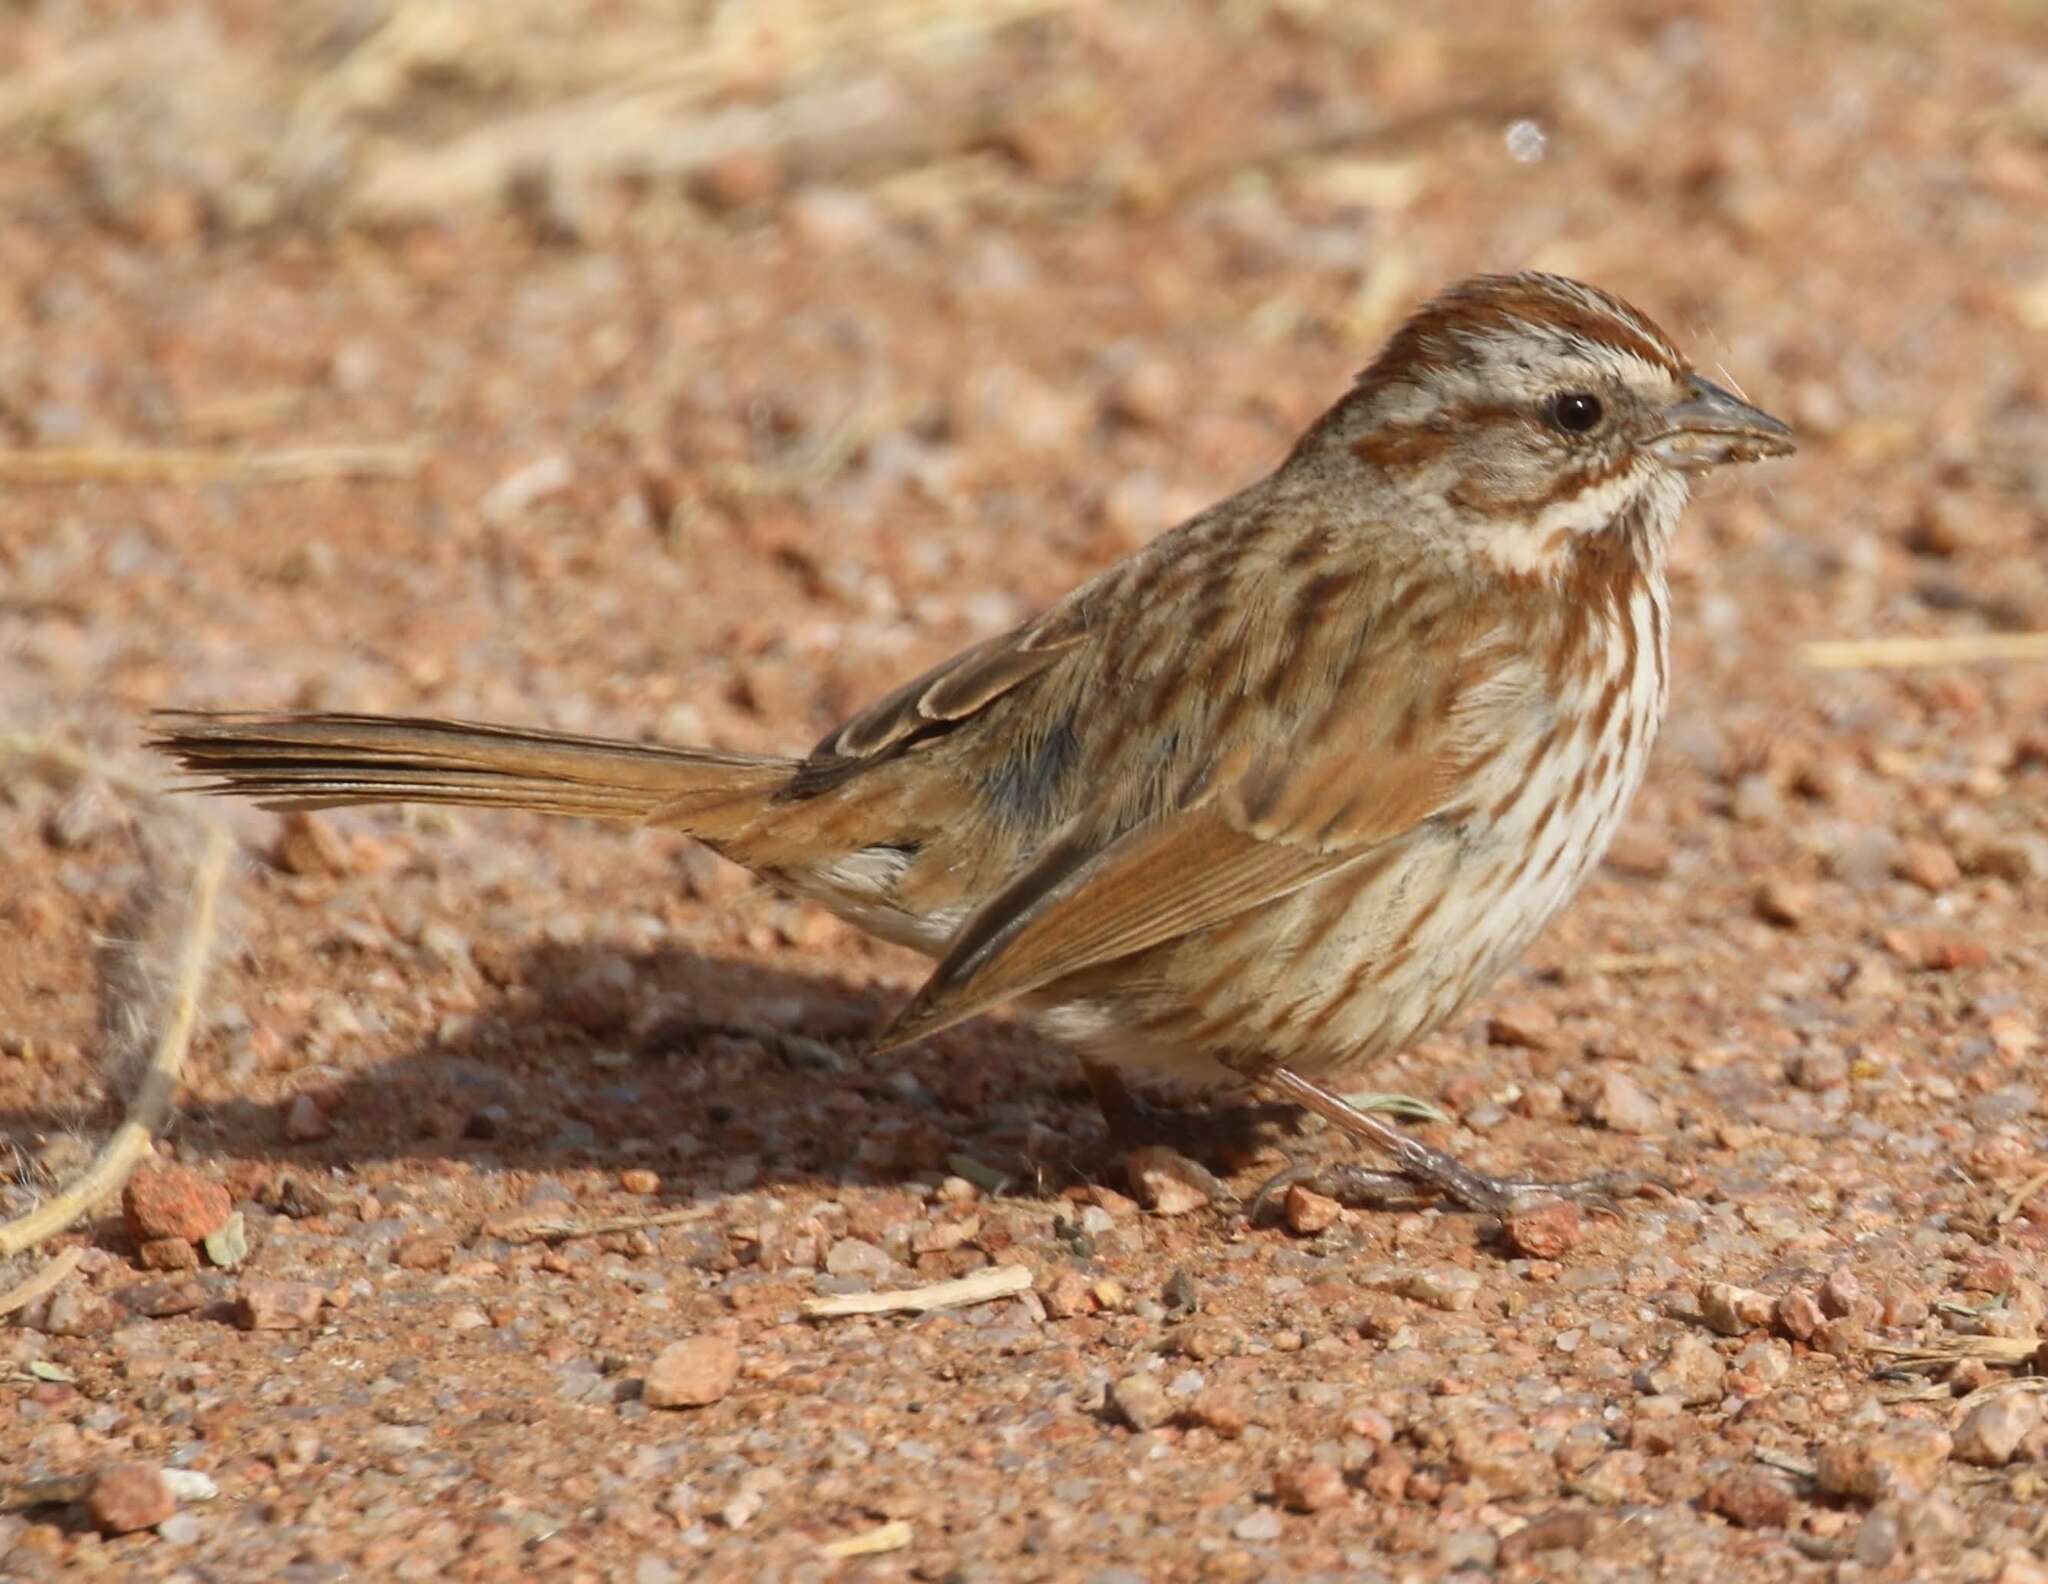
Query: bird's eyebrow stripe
point(1540, 306)
point(1588, 334)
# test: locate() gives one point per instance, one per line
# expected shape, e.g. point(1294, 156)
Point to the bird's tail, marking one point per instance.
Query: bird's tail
point(328, 760)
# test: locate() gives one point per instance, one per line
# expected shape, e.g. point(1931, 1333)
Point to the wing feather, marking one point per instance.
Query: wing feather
point(955, 689)
point(1257, 836)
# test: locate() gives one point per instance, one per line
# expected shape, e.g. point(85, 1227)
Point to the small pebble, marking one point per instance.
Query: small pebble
point(1557, 1531)
point(1692, 1371)
point(1308, 1213)
point(1767, 1361)
point(129, 1496)
point(1841, 1296)
point(857, 1257)
point(1936, 950)
point(2019, 860)
point(1750, 1498)
point(1219, 1411)
point(1733, 1310)
point(1206, 1339)
point(1448, 1289)
point(88, 813)
point(653, 1569)
point(1264, 1524)
point(1928, 865)
point(1544, 1231)
point(1783, 903)
point(1068, 1295)
point(740, 179)
point(72, 1312)
point(1798, 1316)
point(638, 1180)
point(1906, 1457)
point(156, 1300)
point(1309, 1486)
point(167, 1254)
point(1166, 1182)
point(1621, 1105)
point(692, 1373)
point(190, 1485)
point(1992, 1431)
point(1528, 1025)
point(172, 1202)
point(1818, 1071)
point(1141, 1402)
point(276, 1305)
point(1473, 1549)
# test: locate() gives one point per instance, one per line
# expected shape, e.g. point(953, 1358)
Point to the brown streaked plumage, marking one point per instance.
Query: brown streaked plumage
point(1272, 797)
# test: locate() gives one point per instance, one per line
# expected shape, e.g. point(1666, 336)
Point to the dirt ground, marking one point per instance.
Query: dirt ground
point(697, 372)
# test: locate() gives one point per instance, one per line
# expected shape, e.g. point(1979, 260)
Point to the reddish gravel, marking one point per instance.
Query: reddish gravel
point(541, 1135)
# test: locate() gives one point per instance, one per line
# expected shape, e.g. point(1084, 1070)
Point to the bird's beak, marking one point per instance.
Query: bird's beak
point(1708, 426)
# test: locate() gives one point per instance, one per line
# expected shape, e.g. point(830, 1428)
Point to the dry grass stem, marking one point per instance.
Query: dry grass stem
point(891, 1536)
point(997, 1282)
point(1983, 1394)
point(1785, 1462)
point(545, 1227)
point(1898, 654)
point(159, 1085)
point(170, 465)
point(661, 120)
point(1633, 965)
point(26, 1292)
point(2021, 1195)
point(2006, 1352)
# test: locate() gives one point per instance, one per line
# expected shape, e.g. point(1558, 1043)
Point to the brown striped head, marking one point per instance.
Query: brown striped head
point(1537, 410)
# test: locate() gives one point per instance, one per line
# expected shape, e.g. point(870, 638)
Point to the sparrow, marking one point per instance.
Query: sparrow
point(1264, 802)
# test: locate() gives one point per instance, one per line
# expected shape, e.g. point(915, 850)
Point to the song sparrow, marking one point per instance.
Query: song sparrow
point(1270, 798)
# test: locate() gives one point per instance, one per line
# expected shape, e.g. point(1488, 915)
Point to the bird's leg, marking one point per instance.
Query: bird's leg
point(1133, 1124)
point(1124, 1113)
point(1416, 1162)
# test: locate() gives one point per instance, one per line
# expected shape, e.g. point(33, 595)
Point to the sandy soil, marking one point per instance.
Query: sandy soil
point(698, 373)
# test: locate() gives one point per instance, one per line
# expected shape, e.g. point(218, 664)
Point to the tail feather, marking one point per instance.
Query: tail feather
point(329, 760)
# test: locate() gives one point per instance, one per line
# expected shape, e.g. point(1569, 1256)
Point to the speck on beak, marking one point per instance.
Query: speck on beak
point(1709, 426)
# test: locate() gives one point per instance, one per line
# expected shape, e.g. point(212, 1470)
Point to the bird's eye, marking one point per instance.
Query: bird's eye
point(1575, 411)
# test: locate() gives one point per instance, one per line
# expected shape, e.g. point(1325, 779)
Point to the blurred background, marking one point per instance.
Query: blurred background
point(695, 367)
point(701, 368)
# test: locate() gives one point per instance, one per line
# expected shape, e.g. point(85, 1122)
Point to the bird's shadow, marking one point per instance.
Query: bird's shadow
point(721, 1075)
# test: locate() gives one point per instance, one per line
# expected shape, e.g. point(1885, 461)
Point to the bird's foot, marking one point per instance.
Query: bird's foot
point(1363, 1188)
point(1419, 1167)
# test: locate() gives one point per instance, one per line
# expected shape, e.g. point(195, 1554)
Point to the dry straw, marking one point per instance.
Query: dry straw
point(157, 1088)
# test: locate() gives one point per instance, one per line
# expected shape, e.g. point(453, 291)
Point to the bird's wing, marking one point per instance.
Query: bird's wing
point(1308, 794)
point(950, 693)
point(957, 688)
